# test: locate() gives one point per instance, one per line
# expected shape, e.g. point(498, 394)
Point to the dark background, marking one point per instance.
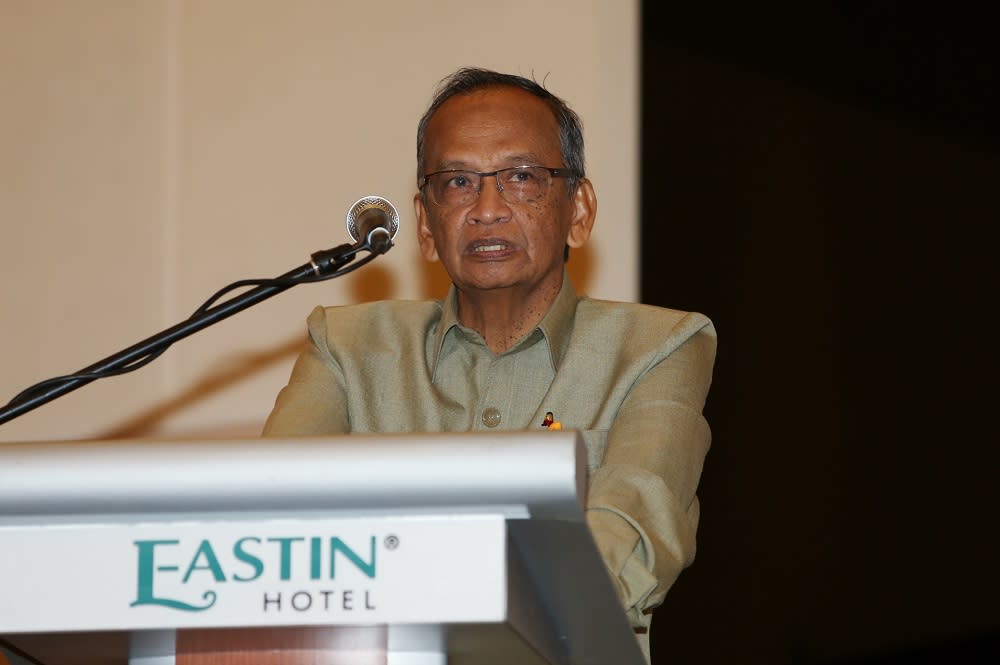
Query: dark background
point(821, 179)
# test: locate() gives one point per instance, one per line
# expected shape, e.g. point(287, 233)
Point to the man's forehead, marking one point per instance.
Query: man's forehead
point(519, 124)
point(496, 104)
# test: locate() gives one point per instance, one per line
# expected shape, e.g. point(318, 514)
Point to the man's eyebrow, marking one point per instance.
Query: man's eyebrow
point(525, 159)
point(455, 164)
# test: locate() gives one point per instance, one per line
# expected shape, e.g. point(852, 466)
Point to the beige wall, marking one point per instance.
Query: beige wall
point(153, 151)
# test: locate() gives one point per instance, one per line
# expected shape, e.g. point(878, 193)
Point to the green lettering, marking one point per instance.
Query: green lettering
point(211, 563)
point(241, 554)
point(147, 571)
point(286, 555)
point(366, 567)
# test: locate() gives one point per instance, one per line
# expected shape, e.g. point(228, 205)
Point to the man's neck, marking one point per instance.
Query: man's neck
point(504, 316)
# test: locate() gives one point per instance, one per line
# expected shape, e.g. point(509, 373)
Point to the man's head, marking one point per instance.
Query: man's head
point(471, 79)
point(508, 229)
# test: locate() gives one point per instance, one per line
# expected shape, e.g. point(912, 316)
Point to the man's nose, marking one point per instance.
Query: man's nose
point(490, 206)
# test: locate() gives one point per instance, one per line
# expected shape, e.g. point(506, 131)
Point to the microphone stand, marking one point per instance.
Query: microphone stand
point(324, 264)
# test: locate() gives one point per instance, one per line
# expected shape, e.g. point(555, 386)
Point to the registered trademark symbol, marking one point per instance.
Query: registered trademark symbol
point(391, 542)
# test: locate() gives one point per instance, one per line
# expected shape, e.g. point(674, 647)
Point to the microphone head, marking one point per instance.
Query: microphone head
point(371, 212)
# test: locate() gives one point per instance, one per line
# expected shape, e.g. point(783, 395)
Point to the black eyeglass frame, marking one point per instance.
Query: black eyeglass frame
point(554, 172)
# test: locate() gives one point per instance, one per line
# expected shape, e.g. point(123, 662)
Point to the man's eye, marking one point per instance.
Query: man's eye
point(521, 176)
point(459, 181)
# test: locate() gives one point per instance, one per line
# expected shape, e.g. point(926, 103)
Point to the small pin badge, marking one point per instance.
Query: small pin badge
point(550, 422)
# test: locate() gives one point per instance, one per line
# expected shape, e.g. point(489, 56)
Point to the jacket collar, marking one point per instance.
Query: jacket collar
point(556, 326)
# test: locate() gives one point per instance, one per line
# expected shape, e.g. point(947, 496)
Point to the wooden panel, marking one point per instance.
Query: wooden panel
point(283, 646)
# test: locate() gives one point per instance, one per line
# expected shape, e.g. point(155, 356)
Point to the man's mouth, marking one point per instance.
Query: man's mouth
point(489, 245)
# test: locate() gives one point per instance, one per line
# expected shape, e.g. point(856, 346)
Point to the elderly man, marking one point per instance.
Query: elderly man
point(502, 198)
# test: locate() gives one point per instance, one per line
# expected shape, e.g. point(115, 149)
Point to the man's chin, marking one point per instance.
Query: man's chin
point(500, 276)
point(489, 277)
point(488, 285)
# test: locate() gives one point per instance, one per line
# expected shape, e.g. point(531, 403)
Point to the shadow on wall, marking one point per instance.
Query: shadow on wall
point(147, 423)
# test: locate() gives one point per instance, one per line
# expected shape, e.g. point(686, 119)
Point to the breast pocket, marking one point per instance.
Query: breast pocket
point(595, 440)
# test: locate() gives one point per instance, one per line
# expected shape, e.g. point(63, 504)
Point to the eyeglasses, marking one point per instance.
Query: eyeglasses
point(455, 188)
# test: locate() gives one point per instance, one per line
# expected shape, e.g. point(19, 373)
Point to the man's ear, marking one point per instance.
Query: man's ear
point(584, 204)
point(424, 236)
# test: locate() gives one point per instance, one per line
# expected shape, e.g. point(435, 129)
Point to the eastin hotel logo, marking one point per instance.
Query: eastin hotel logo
point(293, 573)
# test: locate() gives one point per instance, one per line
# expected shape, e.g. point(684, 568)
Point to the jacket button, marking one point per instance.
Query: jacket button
point(491, 417)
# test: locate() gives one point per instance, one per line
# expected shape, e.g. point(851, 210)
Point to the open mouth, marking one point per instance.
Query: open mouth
point(489, 246)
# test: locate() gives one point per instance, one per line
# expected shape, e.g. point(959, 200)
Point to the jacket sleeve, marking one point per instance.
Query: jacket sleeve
point(314, 401)
point(642, 506)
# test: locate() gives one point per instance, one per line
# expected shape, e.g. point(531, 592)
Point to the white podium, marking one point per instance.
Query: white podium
point(404, 550)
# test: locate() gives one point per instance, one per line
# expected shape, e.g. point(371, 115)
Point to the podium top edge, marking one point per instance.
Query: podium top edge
point(544, 471)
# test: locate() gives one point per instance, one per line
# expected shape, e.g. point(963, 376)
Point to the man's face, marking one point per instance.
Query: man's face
point(490, 243)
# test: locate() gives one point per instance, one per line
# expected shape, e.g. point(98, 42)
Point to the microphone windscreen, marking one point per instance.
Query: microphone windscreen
point(369, 212)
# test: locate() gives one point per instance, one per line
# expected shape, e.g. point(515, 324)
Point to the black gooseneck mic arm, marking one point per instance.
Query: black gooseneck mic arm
point(324, 265)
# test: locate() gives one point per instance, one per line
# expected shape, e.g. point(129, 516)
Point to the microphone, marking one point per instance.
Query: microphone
point(373, 221)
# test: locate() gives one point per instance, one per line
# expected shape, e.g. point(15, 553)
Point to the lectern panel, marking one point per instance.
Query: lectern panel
point(458, 548)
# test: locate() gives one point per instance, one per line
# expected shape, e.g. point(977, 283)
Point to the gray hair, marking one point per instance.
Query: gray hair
point(471, 79)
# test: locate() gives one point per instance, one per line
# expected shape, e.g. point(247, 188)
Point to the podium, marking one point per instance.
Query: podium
point(391, 549)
